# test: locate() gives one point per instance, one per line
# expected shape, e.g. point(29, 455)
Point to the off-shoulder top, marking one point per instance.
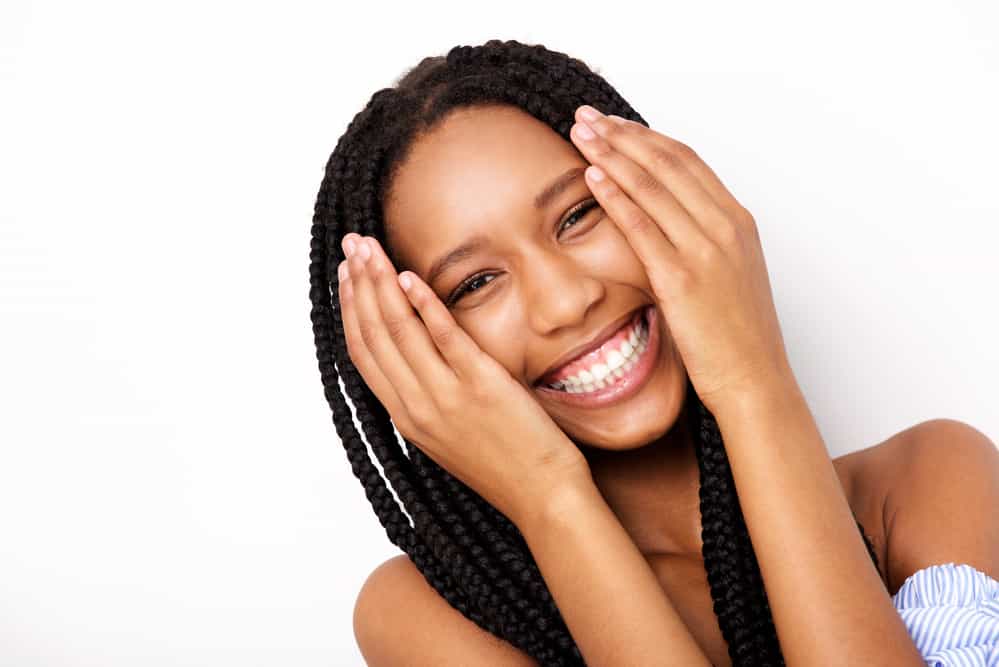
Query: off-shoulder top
point(952, 613)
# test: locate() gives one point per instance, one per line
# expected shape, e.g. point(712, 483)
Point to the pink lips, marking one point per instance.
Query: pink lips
point(619, 390)
point(597, 356)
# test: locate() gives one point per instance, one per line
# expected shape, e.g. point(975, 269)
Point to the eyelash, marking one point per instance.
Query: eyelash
point(576, 215)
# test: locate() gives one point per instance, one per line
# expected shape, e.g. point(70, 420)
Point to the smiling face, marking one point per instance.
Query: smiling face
point(551, 272)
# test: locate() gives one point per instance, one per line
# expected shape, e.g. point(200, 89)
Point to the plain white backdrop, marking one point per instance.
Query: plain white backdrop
point(172, 489)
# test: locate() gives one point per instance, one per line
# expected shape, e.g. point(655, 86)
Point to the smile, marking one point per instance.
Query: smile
point(617, 370)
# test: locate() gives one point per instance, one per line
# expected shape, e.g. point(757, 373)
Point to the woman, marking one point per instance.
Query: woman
point(569, 321)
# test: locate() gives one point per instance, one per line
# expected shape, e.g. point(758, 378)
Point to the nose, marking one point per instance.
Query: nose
point(560, 294)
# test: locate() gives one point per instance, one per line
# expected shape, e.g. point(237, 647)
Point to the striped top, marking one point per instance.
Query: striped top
point(952, 613)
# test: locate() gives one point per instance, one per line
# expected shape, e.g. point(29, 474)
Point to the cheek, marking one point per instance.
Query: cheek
point(495, 336)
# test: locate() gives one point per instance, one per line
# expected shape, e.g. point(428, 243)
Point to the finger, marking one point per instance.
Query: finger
point(356, 349)
point(646, 191)
point(461, 352)
point(668, 161)
point(375, 337)
point(644, 234)
point(705, 175)
point(404, 326)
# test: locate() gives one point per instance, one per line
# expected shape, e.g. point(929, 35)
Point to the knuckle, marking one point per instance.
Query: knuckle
point(637, 220)
point(646, 182)
point(452, 403)
point(352, 356)
point(683, 280)
point(442, 335)
point(729, 234)
point(396, 329)
point(684, 152)
point(421, 415)
point(367, 331)
point(667, 159)
point(663, 285)
point(708, 253)
point(404, 424)
point(601, 149)
point(475, 398)
point(745, 226)
point(746, 219)
point(612, 129)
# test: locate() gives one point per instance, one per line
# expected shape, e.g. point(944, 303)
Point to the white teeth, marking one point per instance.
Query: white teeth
point(619, 363)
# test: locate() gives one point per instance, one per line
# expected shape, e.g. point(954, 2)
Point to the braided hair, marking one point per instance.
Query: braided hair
point(472, 554)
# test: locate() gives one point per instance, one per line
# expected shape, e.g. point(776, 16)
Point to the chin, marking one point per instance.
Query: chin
point(615, 442)
point(635, 423)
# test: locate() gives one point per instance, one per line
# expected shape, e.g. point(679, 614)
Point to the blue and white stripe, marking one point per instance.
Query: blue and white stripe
point(952, 613)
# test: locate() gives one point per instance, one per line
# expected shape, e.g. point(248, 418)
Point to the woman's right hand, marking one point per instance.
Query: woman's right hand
point(448, 397)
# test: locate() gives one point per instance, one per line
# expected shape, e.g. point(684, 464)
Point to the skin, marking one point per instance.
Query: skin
point(640, 455)
point(555, 288)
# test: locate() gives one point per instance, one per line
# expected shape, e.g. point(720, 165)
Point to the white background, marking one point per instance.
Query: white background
point(172, 490)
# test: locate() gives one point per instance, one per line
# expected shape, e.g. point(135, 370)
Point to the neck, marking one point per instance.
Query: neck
point(654, 490)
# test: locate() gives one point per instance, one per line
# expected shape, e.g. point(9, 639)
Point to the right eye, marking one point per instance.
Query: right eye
point(463, 288)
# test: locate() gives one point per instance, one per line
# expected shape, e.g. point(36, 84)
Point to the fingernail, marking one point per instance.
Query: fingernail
point(342, 271)
point(349, 246)
point(589, 113)
point(584, 131)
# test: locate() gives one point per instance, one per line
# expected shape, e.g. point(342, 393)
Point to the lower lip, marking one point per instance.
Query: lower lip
point(623, 388)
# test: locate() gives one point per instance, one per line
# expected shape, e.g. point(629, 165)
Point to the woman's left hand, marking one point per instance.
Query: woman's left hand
point(701, 250)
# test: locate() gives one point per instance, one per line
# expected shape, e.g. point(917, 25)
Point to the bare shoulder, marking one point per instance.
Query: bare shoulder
point(943, 501)
point(930, 493)
point(399, 619)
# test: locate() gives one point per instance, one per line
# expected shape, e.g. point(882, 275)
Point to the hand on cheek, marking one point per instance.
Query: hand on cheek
point(700, 248)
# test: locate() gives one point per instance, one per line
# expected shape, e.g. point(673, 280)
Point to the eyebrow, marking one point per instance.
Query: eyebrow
point(477, 242)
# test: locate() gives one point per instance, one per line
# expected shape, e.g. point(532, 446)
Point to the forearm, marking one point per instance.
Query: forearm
point(828, 602)
point(608, 595)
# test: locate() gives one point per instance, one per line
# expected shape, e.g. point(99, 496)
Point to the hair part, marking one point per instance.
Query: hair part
point(466, 549)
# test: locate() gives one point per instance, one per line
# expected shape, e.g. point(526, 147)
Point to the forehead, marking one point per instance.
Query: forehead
point(477, 173)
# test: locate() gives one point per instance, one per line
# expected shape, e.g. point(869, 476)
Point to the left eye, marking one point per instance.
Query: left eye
point(464, 288)
point(580, 211)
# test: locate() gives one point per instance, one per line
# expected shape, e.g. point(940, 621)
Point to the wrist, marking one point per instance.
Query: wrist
point(773, 396)
point(765, 394)
point(566, 497)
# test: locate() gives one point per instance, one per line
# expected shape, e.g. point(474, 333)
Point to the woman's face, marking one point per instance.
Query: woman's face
point(544, 283)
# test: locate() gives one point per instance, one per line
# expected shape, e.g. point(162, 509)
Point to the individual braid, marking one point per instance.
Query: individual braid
point(472, 554)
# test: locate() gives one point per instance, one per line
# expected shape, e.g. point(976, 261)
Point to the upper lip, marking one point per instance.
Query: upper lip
point(594, 342)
